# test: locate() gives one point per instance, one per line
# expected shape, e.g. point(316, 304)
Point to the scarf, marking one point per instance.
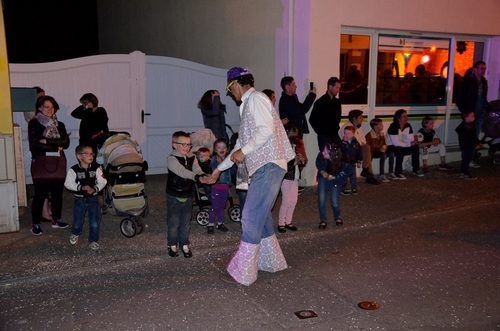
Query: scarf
point(50, 124)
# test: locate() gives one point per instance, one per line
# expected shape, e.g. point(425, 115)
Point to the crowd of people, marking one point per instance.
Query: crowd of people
point(268, 156)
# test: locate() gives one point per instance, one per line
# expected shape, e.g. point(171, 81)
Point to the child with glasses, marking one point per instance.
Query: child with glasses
point(85, 180)
point(183, 172)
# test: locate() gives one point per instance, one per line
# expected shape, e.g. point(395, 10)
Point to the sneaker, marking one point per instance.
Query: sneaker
point(473, 165)
point(210, 229)
point(222, 227)
point(186, 251)
point(354, 192)
point(383, 179)
point(301, 188)
point(345, 192)
point(94, 246)
point(400, 177)
point(59, 224)
point(444, 166)
point(73, 239)
point(426, 170)
point(391, 176)
point(36, 229)
point(469, 177)
point(418, 173)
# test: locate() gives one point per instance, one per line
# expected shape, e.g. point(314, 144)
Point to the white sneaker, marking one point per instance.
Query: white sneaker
point(73, 239)
point(474, 165)
point(94, 246)
point(383, 179)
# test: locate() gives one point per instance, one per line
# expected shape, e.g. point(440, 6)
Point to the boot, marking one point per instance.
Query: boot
point(243, 265)
point(271, 257)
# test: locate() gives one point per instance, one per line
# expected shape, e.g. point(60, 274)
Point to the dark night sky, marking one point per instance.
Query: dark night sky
point(47, 31)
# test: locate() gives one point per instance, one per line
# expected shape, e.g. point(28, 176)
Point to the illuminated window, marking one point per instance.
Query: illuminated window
point(354, 59)
point(466, 54)
point(411, 70)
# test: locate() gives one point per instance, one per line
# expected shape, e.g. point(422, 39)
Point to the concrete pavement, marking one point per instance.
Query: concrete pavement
point(27, 261)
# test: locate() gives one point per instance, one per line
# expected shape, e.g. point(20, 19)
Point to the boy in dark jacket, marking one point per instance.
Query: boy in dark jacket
point(85, 180)
point(469, 143)
point(351, 149)
point(183, 172)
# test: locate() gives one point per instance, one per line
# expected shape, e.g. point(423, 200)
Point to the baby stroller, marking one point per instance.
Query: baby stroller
point(205, 138)
point(491, 128)
point(234, 211)
point(125, 170)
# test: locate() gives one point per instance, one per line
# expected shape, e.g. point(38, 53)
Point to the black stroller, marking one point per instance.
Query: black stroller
point(491, 128)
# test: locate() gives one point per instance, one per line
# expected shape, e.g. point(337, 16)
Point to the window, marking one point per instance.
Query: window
point(466, 54)
point(354, 59)
point(411, 70)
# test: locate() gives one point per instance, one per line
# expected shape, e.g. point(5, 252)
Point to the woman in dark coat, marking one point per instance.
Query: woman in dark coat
point(47, 137)
point(214, 113)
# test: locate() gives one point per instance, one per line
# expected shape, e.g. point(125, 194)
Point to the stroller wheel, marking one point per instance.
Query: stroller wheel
point(491, 151)
point(478, 156)
point(234, 213)
point(496, 161)
point(104, 209)
point(202, 217)
point(139, 221)
point(128, 227)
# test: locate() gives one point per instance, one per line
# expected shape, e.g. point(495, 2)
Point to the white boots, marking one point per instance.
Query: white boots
point(266, 256)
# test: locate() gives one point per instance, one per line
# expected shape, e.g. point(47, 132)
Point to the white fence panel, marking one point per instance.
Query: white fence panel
point(173, 89)
point(168, 89)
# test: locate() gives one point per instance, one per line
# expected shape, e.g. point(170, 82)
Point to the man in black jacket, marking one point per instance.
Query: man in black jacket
point(326, 114)
point(473, 93)
point(291, 110)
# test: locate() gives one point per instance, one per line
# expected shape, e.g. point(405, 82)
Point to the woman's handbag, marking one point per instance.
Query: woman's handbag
point(46, 169)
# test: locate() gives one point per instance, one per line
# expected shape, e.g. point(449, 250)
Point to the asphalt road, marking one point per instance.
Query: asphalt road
point(429, 255)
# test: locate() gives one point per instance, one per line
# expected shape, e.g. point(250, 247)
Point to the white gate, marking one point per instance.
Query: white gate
point(126, 86)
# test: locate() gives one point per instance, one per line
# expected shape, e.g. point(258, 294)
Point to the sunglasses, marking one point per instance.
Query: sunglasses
point(228, 87)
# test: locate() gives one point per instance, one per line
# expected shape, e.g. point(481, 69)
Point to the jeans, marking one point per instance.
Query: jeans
point(242, 195)
point(479, 119)
point(352, 178)
point(382, 156)
point(256, 220)
point(400, 153)
point(467, 156)
point(83, 205)
point(178, 221)
point(325, 185)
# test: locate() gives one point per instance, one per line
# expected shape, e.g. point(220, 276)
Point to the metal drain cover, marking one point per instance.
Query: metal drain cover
point(368, 305)
point(302, 314)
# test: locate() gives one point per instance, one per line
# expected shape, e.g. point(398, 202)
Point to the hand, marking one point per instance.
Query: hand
point(285, 121)
point(313, 90)
point(216, 93)
point(238, 156)
point(43, 141)
point(480, 146)
point(358, 165)
point(215, 175)
point(324, 174)
point(207, 180)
